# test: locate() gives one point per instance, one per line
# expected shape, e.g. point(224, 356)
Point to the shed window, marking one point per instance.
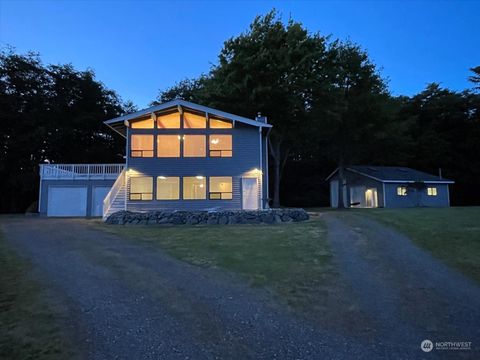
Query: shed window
point(402, 191)
point(168, 146)
point(194, 121)
point(219, 124)
point(194, 146)
point(220, 145)
point(194, 188)
point(168, 188)
point(141, 188)
point(141, 146)
point(432, 191)
point(220, 188)
point(142, 124)
point(169, 121)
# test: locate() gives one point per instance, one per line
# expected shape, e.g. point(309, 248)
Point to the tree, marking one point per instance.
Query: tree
point(475, 78)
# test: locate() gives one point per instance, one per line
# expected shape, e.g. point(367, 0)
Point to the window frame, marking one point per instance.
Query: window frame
point(220, 151)
point(178, 137)
point(204, 178)
point(141, 193)
point(132, 151)
point(185, 139)
point(402, 191)
point(210, 193)
point(432, 191)
point(159, 178)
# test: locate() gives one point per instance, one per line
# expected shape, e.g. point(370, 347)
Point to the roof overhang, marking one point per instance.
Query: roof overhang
point(120, 123)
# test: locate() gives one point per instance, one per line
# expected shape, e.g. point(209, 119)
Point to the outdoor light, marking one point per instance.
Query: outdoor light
point(199, 177)
point(162, 177)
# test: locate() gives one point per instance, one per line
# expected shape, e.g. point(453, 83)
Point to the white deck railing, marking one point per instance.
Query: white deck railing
point(80, 171)
point(112, 194)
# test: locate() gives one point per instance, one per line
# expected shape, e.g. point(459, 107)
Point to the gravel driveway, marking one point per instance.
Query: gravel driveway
point(131, 301)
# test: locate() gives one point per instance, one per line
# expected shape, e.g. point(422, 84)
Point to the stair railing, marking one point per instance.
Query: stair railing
point(112, 194)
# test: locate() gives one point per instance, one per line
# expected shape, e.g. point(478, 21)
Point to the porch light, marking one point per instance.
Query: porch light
point(199, 177)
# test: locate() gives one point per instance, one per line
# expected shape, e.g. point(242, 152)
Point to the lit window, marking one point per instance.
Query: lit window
point(220, 188)
point(141, 188)
point(220, 145)
point(194, 188)
point(169, 121)
point(194, 146)
point(168, 146)
point(142, 124)
point(432, 191)
point(141, 145)
point(194, 121)
point(219, 124)
point(168, 188)
point(402, 191)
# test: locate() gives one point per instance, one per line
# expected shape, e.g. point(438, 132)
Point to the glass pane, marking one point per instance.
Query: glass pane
point(220, 142)
point(168, 145)
point(168, 188)
point(226, 196)
point(142, 124)
point(141, 142)
point(135, 196)
point(215, 153)
point(142, 184)
point(220, 124)
point(215, 196)
point(147, 196)
point(227, 153)
point(194, 121)
point(220, 184)
point(169, 121)
point(194, 146)
point(194, 188)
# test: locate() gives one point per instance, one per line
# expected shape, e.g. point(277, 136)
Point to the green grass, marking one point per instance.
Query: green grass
point(450, 234)
point(29, 328)
point(291, 259)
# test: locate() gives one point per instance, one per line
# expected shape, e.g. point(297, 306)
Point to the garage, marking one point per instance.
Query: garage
point(67, 201)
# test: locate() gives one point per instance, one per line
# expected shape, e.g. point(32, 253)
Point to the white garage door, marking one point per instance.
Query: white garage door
point(99, 193)
point(67, 201)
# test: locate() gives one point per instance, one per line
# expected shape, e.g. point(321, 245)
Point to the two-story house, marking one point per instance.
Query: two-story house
point(179, 156)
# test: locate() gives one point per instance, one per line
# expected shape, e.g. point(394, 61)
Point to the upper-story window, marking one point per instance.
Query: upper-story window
point(141, 145)
point(219, 124)
point(220, 145)
point(168, 146)
point(143, 124)
point(194, 146)
point(194, 121)
point(169, 121)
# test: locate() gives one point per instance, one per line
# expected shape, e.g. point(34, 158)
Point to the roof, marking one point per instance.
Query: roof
point(394, 174)
point(118, 124)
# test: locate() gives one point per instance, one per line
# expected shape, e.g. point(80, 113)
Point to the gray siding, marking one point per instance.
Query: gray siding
point(246, 158)
point(417, 197)
point(90, 184)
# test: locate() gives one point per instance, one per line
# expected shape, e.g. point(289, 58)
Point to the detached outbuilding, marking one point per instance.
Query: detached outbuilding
point(389, 186)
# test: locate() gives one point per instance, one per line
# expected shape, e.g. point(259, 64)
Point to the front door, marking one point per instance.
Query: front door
point(249, 194)
point(371, 198)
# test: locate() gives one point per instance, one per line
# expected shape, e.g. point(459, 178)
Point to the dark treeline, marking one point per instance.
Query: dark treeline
point(326, 99)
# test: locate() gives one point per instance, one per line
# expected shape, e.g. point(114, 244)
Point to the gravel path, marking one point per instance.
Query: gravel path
point(129, 301)
point(408, 295)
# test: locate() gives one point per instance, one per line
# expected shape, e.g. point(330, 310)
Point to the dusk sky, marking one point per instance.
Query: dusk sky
point(140, 47)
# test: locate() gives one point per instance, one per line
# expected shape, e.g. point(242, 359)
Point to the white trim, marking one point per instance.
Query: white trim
point(448, 195)
point(261, 167)
point(384, 197)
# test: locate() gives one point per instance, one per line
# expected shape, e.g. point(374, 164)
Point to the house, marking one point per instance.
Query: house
point(179, 156)
point(389, 186)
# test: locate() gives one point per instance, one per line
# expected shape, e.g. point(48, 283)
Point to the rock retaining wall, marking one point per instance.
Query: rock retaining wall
point(271, 216)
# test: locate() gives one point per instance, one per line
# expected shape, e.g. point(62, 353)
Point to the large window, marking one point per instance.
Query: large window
point(168, 188)
point(220, 188)
point(142, 124)
point(194, 146)
point(169, 121)
point(168, 146)
point(402, 191)
point(220, 145)
point(219, 124)
point(194, 121)
point(141, 188)
point(432, 191)
point(194, 188)
point(141, 145)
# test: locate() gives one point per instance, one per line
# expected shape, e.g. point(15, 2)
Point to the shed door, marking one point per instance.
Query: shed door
point(249, 194)
point(67, 201)
point(99, 194)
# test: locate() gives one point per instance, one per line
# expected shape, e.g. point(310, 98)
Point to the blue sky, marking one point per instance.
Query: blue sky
point(139, 47)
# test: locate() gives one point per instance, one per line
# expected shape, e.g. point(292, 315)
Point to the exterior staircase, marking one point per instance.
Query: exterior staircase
point(116, 199)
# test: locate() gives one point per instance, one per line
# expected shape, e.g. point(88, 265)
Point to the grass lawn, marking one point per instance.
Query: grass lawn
point(291, 259)
point(28, 326)
point(450, 234)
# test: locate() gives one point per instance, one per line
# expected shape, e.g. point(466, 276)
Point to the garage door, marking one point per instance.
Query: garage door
point(67, 201)
point(99, 193)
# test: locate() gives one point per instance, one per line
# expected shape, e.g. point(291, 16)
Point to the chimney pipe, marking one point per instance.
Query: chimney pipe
point(440, 173)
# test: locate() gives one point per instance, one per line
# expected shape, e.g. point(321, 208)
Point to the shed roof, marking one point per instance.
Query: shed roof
point(118, 125)
point(394, 174)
